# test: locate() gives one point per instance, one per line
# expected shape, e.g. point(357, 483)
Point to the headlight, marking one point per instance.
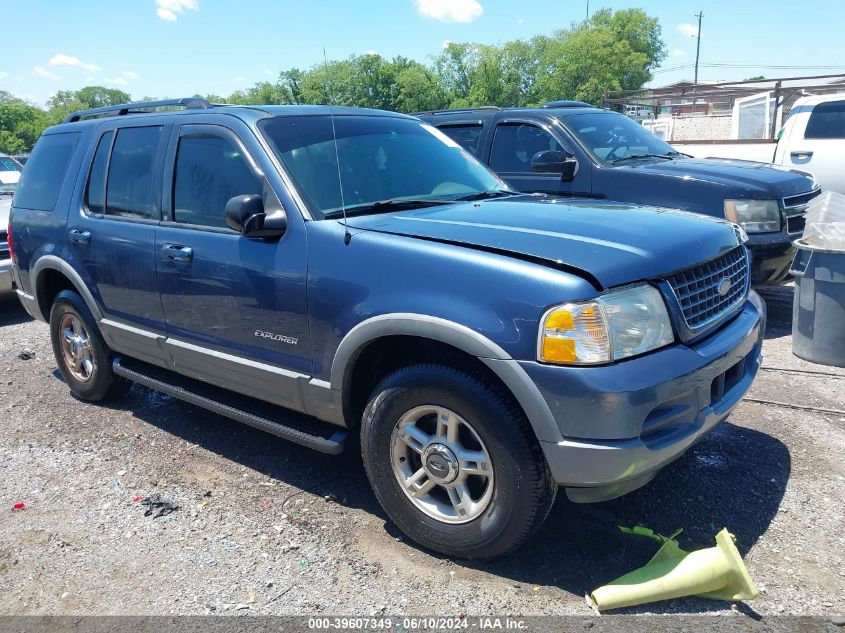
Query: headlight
point(755, 216)
point(617, 325)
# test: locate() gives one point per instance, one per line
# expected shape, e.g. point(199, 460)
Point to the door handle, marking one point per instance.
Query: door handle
point(78, 236)
point(178, 253)
point(800, 154)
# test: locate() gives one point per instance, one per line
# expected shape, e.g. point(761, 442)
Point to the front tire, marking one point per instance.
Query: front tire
point(454, 462)
point(84, 359)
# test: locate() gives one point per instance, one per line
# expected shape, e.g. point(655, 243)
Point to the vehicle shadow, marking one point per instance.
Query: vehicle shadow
point(734, 478)
point(779, 307)
point(12, 312)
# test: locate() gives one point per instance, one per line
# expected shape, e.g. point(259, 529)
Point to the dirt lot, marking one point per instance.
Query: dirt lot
point(268, 527)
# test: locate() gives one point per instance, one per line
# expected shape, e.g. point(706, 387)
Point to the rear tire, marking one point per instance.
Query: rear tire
point(454, 462)
point(84, 359)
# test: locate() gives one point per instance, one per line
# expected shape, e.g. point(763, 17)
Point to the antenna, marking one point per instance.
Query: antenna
point(347, 236)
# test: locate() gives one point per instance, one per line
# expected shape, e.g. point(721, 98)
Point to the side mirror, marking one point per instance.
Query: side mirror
point(245, 214)
point(553, 162)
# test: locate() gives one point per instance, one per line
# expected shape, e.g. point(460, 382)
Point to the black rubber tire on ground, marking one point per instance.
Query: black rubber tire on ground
point(524, 489)
point(104, 384)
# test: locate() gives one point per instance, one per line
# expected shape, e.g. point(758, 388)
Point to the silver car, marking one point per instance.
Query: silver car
point(6, 192)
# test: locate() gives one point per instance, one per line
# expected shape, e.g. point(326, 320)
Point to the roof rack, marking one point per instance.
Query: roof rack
point(459, 110)
point(190, 103)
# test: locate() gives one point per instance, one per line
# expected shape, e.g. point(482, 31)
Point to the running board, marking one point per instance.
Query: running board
point(278, 421)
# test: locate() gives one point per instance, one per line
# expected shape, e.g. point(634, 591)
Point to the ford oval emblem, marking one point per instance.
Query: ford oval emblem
point(724, 286)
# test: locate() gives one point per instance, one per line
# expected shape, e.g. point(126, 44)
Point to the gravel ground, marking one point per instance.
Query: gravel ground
point(268, 527)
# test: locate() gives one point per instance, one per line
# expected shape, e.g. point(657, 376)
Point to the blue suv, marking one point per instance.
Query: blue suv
point(329, 274)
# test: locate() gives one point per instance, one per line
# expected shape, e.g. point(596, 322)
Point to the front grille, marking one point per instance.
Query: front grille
point(794, 210)
point(4, 246)
point(697, 288)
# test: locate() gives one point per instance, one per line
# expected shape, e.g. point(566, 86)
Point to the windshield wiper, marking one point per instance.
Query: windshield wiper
point(667, 156)
point(385, 206)
point(485, 195)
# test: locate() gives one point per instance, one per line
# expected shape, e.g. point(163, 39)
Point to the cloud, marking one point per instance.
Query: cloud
point(446, 43)
point(450, 10)
point(130, 75)
point(688, 30)
point(371, 54)
point(268, 72)
point(678, 53)
point(240, 78)
point(44, 73)
point(3, 75)
point(168, 9)
point(60, 59)
point(116, 81)
point(520, 21)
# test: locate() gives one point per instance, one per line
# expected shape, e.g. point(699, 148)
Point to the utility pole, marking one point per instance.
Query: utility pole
point(698, 45)
point(588, 9)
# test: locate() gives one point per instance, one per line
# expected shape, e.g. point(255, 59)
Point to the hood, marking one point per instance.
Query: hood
point(609, 244)
point(758, 180)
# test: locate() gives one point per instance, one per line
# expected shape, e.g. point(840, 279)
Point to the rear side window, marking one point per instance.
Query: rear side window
point(40, 186)
point(827, 120)
point(515, 144)
point(210, 170)
point(131, 179)
point(96, 191)
point(467, 135)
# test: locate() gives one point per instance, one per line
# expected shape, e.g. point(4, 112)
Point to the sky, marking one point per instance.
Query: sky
point(181, 47)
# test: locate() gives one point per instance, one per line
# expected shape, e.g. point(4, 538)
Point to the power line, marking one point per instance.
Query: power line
point(762, 66)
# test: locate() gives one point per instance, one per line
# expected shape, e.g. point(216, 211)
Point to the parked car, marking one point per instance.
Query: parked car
point(812, 139)
point(21, 158)
point(6, 193)
point(10, 170)
point(322, 273)
point(572, 149)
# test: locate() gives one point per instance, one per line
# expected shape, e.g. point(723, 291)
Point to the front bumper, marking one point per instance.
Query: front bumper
point(622, 423)
point(771, 255)
point(5, 277)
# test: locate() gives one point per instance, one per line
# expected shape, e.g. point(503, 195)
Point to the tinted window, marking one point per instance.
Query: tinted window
point(516, 144)
point(466, 135)
point(827, 120)
point(40, 185)
point(96, 192)
point(8, 164)
point(210, 170)
point(611, 136)
point(381, 158)
point(130, 189)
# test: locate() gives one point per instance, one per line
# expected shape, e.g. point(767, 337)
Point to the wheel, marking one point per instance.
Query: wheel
point(454, 462)
point(82, 355)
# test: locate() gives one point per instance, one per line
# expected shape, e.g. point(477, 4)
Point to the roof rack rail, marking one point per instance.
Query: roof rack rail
point(458, 110)
point(189, 103)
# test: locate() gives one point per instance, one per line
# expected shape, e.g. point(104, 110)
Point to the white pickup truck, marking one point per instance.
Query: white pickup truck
point(812, 140)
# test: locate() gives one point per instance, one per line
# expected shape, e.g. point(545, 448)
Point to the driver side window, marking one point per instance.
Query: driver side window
point(210, 170)
point(515, 144)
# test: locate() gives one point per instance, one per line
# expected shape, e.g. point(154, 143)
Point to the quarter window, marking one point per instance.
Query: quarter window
point(96, 191)
point(827, 120)
point(130, 191)
point(210, 170)
point(516, 144)
point(40, 186)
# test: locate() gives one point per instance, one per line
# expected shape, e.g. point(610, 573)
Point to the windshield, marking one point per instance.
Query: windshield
point(610, 137)
point(9, 164)
point(382, 159)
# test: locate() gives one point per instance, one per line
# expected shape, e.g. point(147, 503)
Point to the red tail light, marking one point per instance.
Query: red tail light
point(9, 238)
